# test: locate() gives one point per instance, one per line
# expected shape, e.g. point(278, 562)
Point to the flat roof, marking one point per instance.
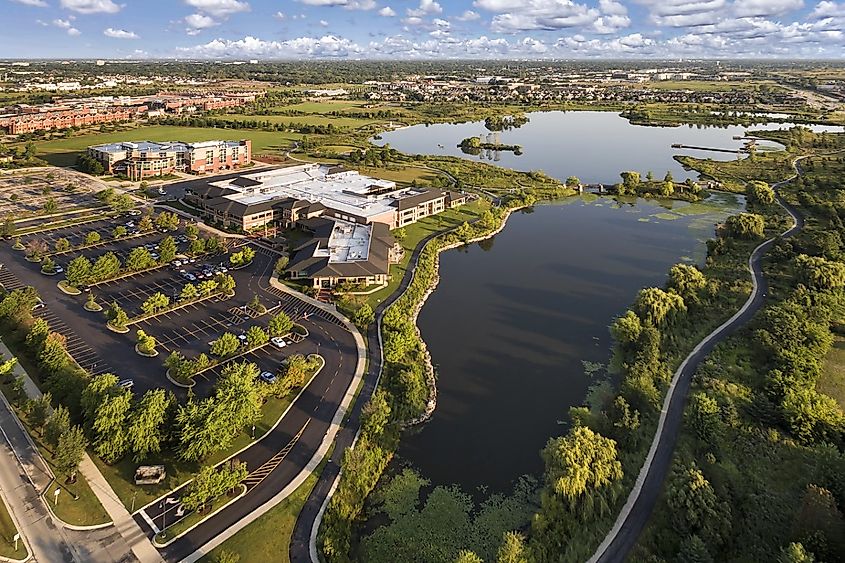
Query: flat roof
point(152, 146)
point(345, 191)
point(349, 242)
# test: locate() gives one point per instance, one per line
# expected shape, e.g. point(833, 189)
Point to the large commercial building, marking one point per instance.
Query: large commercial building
point(285, 196)
point(146, 159)
point(344, 252)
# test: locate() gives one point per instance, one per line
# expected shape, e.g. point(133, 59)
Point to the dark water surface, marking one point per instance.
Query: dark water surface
point(514, 317)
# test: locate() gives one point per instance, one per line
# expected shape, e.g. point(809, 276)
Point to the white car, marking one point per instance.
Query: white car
point(278, 342)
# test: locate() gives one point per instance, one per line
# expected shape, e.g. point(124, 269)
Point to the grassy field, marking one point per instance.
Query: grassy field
point(303, 119)
point(832, 381)
point(325, 106)
point(268, 538)
point(63, 152)
point(7, 534)
point(418, 231)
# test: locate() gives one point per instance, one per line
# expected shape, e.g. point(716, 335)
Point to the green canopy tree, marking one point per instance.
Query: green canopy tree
point(110, 428)
point(155, 303)
point(225, 345)
point(78, 271)
point(653, 305)
point(139, 259)
point(167, 250)
point(189, 293)
point(92, 237)
point(820, 273)
point(57, 424)
point(69, 452)
point(687, 281)
point(279, 325)
point(146, 431)
point(106, 267)
point(375, 414)
point(61, 245)
point(256, 336)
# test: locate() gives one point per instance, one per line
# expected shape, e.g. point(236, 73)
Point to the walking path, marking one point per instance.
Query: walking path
point(38, 472)
point(637, 509)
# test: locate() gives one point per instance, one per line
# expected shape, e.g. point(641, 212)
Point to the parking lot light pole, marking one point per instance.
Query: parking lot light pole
point(253, 432)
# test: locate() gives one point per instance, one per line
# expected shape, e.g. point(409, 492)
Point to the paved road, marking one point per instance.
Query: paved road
point(638, 508)
point(300, 542)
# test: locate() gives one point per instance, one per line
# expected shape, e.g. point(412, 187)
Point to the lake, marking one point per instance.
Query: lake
point(514, 318)
point(595, 146)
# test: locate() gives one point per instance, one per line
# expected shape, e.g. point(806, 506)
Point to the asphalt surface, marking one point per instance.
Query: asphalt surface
point(299, 547)
point(637, 518)
point(282, 454)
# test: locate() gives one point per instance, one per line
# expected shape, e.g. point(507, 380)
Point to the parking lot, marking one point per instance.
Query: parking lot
point(189, 329)
point(24, 194)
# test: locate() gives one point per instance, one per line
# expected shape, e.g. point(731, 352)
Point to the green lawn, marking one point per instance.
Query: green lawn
point(418, 231)
point(323, 107)
point(832, 380)
point(63, 152)
point(304, 119)
point(7, 534)
point(268, 538)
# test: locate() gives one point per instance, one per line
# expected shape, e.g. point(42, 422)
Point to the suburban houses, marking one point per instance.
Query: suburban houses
point(285, 196)
point(145, 159)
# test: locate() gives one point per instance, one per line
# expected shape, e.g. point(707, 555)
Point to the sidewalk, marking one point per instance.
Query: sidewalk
point(123, 521)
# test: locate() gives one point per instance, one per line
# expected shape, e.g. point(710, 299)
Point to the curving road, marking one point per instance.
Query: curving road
point(304, 530)
point(637, 509)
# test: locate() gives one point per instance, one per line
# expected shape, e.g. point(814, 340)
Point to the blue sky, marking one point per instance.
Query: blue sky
point(422, 29)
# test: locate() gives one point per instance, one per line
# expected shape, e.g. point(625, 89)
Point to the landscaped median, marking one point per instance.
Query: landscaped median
point(120, 475)
point(7, 538)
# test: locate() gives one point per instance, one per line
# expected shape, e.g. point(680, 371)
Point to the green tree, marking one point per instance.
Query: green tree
point(119, 232)
point(139, 259)
point(225, 345)
point(812, 416)
point(146, 343)
point(197, 247)
point(8, 228)
point(78, 271)
point(145, 224)
point(189, 293)
point(38, 411)
point(225, 283)
point(282, 263)
point(695, 507)
point(745, 226)
point(207, 287)
point(364, 316)
point(513, 549)
point(147, 429)
point(631, 181)
point(256, 305)
point(69, 452)
point(211, 482)
point(573, 182)
point(110, 429)
point(694, 550)
point(466, 556)
point(167, 250)
point(53, 357)
point(654, 306)
point(155, 303)
point(61, 245)
point(279, 325)
point(167, 221)
point(119, 318)
point(92, 237)
point(57, 424)
point(463, 232)
point(50, 206)
point(820, 273)
point(687, 281)
point(375, 414)
point(192, 231)
point(256, 336)
point(705, 418)
point(795, 553)
point(760, 193)
point(106, 267)
point(48, 266)
point(37, 335)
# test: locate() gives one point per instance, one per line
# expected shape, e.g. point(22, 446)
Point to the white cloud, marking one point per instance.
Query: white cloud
point(279, 16)
point(348, 4)
point(328, 46)
point(387, 12)
point(468, 16)
point(199, 21)
point(219, 8)
point(324, 23)
point(119, 33)
point(73, 32)
point(426, 8)
point(513, 16)
point(750, 8)
point(33, 3)
point(63, 24)
point(91, 6)
point(827, 9)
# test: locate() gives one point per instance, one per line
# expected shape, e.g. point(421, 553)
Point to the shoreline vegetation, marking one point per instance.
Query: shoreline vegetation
point(611, 434)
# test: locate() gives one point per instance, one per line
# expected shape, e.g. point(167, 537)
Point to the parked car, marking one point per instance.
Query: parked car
point(267, 377)
point(161, 191)
point(242, 337)
point(278, 342)
point(126, 384)
point(59, 269)
point(135, 212)
point(129, 224)
point(38, 305)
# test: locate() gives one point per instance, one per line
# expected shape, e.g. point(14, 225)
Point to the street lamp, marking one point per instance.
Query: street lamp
point(163, 508)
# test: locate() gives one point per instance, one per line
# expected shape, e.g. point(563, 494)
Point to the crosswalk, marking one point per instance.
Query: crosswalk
point(79, 350)
point(255, 477)
point(296, 308)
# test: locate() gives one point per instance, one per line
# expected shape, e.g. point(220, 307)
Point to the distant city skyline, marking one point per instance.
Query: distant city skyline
point(422, 29)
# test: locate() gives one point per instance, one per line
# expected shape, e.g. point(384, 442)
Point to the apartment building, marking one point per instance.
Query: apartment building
point(144, 159)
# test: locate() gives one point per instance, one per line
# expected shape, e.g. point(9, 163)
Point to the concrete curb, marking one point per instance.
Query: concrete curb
point(203, 519)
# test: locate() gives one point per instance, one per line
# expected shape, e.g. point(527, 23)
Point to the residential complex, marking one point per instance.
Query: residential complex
point(145, 159)
point(81, 112)
point(343, 251)
point(287, 195)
